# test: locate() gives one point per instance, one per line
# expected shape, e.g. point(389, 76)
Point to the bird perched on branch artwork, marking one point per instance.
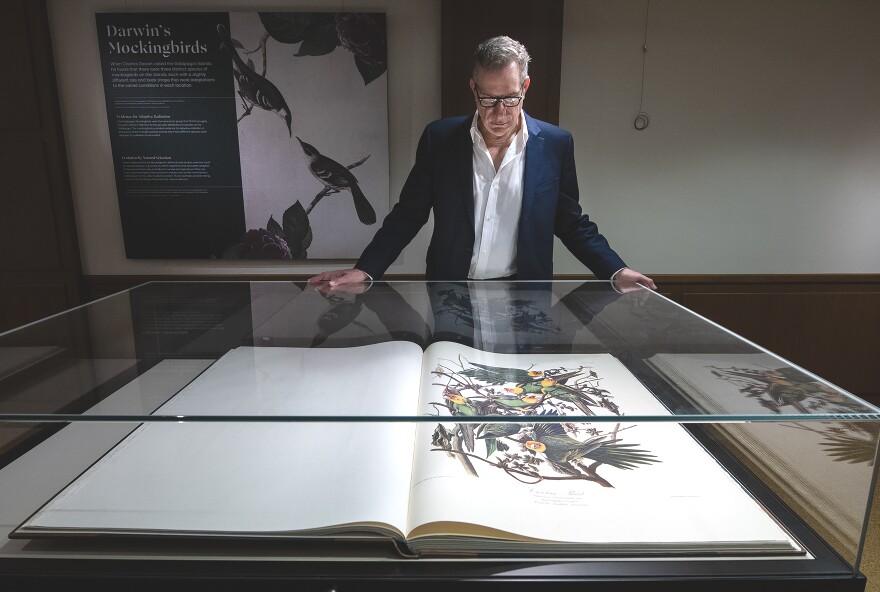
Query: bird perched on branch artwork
point(336, 178)
point(254, 89)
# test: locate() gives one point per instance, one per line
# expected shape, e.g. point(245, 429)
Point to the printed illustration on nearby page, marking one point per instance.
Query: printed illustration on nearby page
point(826, 466)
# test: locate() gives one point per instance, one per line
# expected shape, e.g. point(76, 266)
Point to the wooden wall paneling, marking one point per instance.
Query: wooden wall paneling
point(833, 334)
point(28, 221)
point(40, 269)
point(18, 93)
point(827, 323)
point(70, 270)
point(537, 25)
point(40, 264)
point(99, 286)
point(29, 300)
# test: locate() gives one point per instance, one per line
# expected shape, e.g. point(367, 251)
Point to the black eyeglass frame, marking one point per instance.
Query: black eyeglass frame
point(509, 102)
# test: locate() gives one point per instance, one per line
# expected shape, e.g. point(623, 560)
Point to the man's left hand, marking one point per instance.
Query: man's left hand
point(627, 280)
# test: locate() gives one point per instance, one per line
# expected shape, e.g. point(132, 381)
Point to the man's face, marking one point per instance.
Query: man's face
point(499, 121)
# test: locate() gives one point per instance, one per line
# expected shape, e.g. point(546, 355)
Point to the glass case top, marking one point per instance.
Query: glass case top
point(541, 352)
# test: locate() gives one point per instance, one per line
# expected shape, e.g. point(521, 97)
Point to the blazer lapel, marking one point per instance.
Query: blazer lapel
point(464, 170)
point(532, 173)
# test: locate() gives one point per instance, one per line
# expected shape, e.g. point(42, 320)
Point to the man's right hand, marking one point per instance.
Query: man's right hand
point(341, 277)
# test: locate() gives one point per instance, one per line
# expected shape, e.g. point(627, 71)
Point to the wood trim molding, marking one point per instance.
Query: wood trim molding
point(757, 279)
point(667, 282)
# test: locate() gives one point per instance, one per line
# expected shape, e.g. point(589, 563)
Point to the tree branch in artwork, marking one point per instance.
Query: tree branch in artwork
point(261, 46)
point(289, 240)
point(328, 189)
point(542, 446)
point(787, 389)
point(254, 89)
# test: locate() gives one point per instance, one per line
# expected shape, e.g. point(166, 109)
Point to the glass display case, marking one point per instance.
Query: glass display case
point(487, 435)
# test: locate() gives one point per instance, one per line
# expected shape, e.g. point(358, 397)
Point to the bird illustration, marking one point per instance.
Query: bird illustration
point(498, 430)
point(460, 405)
point(523, 403)
point(543, 386)
point(784, 386)
point(254, 89)
point(335, 178)
point(524, 388)
point(498, 374)
point(619, 455)
point(561, 449)
point(571, 395)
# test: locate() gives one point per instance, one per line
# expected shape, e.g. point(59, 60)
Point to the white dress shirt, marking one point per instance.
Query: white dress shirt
point(497, 205)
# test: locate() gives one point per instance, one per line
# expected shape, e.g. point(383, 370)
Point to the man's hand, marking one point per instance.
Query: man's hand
point(627, 280)
point(352, 281)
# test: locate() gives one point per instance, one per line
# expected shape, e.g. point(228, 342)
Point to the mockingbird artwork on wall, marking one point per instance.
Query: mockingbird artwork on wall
point(229, 130)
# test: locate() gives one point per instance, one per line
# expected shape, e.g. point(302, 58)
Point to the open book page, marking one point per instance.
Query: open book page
point(615, 485)
point(234, 477)
point(825, 466)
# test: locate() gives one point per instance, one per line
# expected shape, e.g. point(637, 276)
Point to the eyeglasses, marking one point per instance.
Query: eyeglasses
point(489, 102)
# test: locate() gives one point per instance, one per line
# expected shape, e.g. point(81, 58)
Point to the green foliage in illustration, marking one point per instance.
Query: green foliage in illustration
point(788, 390)
point(852, 448)
point(543, 446)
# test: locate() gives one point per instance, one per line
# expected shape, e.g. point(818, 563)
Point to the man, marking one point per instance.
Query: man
point(500, 183)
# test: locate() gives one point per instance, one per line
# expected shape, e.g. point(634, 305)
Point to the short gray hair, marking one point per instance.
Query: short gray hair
point(499, 52)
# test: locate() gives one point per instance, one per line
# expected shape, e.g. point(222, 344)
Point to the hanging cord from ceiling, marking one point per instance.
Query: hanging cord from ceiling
point(642, 119)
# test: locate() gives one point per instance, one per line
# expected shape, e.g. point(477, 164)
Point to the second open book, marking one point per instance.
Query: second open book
point(524, 486)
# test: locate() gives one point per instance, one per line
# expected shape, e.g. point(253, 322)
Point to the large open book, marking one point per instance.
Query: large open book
point(531, 483)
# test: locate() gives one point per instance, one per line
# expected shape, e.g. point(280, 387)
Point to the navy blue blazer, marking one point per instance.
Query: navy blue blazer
point(442, 180)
